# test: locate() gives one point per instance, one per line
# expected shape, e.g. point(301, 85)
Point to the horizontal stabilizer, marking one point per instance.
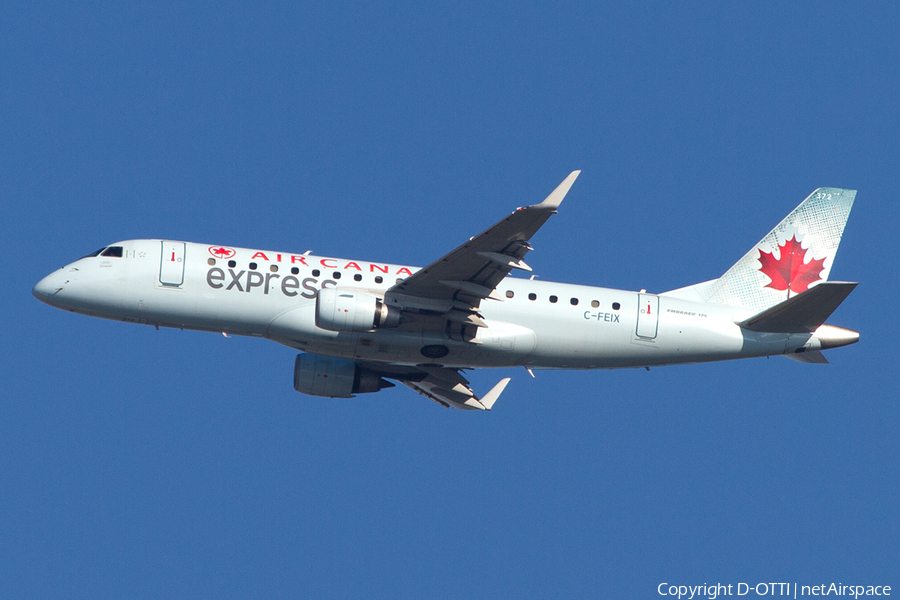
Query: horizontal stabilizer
point(810, 356)
point(803, 313)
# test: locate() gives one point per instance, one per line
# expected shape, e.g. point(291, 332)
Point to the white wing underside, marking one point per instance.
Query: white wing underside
point(449, 388)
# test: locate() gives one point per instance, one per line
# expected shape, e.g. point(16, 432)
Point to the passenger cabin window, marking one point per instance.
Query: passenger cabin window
point(510, 293)
point(113, 251)
point(532, 296)
point(553, 299)
point(595, 303)
point(295, 271)
point(211, 262)
point(315, 272)
point(253, 266)
point(273, 268)
point(232, 263)
point(357, 277)
point(616, 306)
point(574, 301)
point(378, 279)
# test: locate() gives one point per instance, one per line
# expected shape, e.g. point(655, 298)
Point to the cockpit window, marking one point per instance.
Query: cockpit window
point(114, 251)
point(97, 253)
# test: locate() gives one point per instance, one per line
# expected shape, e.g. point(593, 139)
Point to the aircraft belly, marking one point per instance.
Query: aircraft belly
point(690, 332)
point(505, 344)
point(690, 342)
point(682, 332)
point(413, 348)
point(572, 338)
point(298, 324)
point(585, 336)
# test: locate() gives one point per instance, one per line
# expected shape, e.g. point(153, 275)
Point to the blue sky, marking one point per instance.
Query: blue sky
point(143, 463)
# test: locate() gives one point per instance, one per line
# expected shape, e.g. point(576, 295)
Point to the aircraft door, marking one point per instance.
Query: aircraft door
point(648, 316)
point(171, 263)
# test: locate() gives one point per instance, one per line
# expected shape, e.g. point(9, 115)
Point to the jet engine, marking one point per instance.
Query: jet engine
point(353, 311)
point(334, 377)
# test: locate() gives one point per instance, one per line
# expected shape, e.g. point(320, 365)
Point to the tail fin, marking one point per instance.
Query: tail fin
point(796, 254)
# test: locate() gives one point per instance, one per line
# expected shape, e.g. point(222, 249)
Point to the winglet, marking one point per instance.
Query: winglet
point(555, 198)
point(488, 399)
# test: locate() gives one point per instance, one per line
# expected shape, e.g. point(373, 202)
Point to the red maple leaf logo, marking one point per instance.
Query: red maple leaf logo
point(221, 252)
point(790, 272)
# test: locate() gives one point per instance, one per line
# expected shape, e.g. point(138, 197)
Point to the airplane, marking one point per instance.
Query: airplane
point(361, 324)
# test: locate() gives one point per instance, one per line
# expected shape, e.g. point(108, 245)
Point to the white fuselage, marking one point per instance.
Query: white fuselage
point(272, 295)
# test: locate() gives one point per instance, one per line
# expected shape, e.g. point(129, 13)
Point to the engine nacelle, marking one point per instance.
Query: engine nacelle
point(334, 377)
point(349, 310)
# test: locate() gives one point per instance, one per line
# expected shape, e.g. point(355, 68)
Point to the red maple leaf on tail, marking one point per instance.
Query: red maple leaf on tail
point(790, 272)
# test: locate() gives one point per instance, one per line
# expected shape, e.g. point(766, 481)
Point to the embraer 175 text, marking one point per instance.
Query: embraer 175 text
point(359, 324)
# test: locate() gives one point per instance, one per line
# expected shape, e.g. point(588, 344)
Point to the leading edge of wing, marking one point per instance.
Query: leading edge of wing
point(470, 272)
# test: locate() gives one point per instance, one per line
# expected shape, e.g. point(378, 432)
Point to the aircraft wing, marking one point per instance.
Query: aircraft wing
point(445, 385)
point(456, 283)
point(449, 388)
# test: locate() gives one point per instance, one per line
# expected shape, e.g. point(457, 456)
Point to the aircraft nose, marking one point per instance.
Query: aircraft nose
point(48, 287)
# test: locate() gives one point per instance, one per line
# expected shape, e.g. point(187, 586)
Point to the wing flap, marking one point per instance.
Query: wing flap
point(505, 259)
point(449, 388)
